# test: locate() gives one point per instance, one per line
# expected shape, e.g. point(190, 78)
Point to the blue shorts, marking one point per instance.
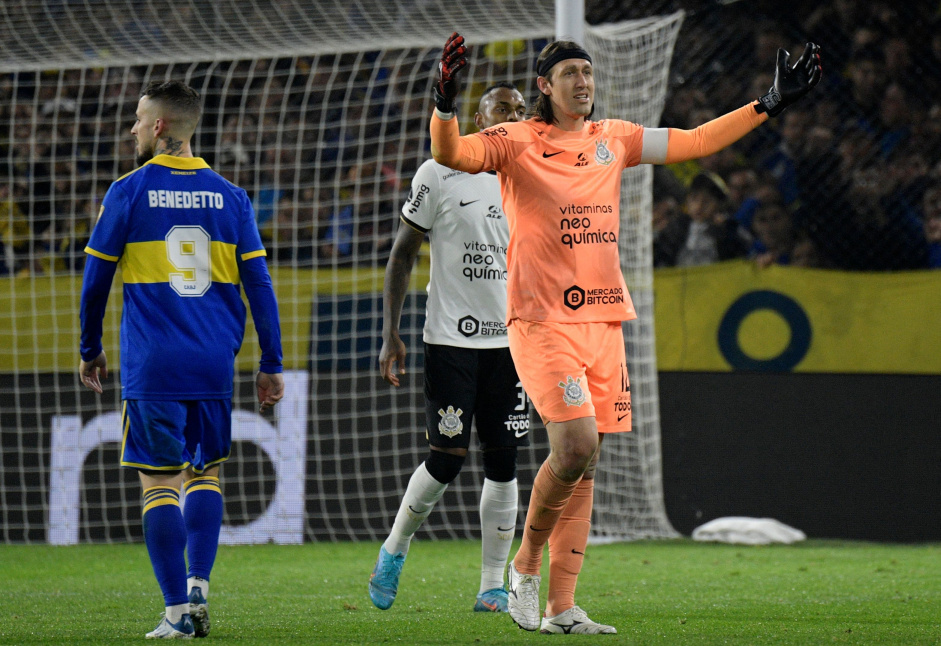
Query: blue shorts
point(175, 435)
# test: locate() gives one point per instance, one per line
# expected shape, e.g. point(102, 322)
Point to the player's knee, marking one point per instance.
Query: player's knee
point(444, 467)
point(571, 463)
point(500, 464)
point(592, 466)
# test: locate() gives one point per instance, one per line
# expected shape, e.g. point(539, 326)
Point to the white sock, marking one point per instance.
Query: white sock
point(420, 497)
point(197, 582)
point(498, 515)
point(175, 613)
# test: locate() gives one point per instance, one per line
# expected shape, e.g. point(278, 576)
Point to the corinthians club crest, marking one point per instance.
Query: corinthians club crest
point(450, 424)
point(572, 393)
point(603, 156)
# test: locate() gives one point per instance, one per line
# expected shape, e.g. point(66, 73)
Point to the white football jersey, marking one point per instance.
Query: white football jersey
point(463, 216)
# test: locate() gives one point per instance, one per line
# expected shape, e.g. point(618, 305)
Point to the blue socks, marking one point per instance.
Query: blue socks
point(202, 514)
point(165, 536)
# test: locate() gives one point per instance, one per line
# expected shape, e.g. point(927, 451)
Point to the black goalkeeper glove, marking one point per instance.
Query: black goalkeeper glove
point(452, 61)
point(791, 83)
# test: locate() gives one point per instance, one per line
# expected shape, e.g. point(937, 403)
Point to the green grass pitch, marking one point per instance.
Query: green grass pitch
point(654, 592)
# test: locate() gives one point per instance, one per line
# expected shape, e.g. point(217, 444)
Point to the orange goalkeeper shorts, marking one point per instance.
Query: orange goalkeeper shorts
point(573, 370)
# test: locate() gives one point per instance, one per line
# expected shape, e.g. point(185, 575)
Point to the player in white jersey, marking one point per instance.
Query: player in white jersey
point(469, 374)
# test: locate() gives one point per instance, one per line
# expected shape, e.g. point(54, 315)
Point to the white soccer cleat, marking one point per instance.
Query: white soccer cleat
point(523, 598)
point(183, 629)
point(574, 621)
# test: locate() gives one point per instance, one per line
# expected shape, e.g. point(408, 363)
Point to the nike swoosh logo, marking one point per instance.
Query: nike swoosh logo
point(521, 433)
point(547, 155)
point(415, 511)
point(575, 551)
point(504, 529)
point(539, 530)
point(620, 417)
point(463, 203)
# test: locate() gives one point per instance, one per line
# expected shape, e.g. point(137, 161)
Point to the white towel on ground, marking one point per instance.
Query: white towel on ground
point(747, 531)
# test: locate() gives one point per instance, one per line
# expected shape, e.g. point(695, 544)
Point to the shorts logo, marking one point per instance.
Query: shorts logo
point(574, 297)
point(468, 326)
point(603, 156)
point(518, 423)
point(450, 424)
point(572, 393)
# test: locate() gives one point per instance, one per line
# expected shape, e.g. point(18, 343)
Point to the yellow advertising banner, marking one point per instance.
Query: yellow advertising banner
point(724, 317)
point(736, 316)
point(39, 316)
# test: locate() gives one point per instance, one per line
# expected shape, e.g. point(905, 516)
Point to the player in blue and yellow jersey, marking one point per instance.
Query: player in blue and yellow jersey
point(185, 239)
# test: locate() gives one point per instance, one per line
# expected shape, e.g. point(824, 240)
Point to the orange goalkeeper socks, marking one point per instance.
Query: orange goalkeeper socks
point(567, 548)
point(549, 498)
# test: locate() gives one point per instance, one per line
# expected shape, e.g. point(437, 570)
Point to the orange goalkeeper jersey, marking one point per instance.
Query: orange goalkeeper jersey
point(561, 193)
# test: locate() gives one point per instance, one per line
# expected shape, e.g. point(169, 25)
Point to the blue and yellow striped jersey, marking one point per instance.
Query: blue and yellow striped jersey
point(180, 233)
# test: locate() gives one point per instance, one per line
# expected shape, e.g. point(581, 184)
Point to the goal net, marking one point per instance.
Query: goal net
point(320, 111)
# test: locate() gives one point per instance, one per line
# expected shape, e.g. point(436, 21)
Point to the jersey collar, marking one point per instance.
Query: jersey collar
point(179, 163)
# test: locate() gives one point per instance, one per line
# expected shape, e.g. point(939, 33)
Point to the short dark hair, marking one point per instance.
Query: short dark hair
point(181, 100)
point(504, 85)
point(542, 106)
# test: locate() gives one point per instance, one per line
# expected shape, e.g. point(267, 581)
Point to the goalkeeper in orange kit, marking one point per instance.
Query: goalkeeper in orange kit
point(560, 179)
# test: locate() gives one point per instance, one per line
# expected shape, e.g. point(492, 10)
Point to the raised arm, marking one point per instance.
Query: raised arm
point(448, 147)
point(671, 145)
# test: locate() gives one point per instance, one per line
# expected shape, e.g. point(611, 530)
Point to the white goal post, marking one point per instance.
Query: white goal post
point(320, 110)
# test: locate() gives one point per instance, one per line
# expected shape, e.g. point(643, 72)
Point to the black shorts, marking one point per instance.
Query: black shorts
point(463, 384)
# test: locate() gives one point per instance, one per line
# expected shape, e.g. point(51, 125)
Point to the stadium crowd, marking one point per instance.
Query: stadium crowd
point(850, 179)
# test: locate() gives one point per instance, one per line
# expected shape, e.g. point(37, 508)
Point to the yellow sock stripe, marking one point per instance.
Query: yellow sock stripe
point(171, 496)
point(159, 496)
point(159, 502)
point(203, 479)
point(202, 483)
point(204, 487)
point(160, 488)
point(150, 499)
point(161, 492)
point(163, 499)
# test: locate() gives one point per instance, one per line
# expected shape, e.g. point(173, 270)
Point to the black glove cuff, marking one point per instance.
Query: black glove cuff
point(772, 103)
point(443, 103)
